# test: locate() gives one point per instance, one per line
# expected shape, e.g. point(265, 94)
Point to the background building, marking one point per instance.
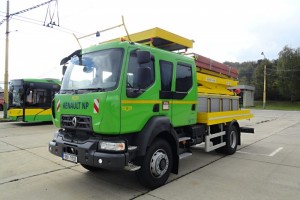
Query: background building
point(247, 94)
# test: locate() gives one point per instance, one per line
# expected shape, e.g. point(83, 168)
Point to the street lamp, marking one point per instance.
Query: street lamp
point(265, 82)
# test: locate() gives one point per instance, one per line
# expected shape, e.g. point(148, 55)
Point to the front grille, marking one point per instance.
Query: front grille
point(76, 122)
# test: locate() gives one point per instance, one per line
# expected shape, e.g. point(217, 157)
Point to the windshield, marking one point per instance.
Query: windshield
point(98, 70)
point(15, 95)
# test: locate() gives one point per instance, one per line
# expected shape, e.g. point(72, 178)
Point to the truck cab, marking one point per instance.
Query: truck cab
point(126, 105)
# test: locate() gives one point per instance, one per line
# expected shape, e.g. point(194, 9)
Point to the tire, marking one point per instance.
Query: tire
point(231, 139)
point(1, 108)
point(90, 168)
point(156, 165)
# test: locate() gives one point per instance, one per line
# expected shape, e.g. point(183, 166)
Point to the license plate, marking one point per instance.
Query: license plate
point(69, 157)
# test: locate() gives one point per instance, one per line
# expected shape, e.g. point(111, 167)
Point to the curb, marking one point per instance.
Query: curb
point(5, 120)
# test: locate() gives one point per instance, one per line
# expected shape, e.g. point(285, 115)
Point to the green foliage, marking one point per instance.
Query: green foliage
point(258, 79)
point(282, 75)
point(246, 70)
point(277, 105)
point(288, 70)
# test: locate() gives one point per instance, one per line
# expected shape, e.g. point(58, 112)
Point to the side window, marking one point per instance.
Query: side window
point(36, 97)
point(41, 96)
point(139, 76)
point(166, 73)
point(184, 79)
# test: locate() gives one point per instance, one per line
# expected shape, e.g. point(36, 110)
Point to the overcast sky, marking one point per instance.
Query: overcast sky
point(231, 30)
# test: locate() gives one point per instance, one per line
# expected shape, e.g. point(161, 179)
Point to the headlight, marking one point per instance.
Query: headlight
point(112, 146)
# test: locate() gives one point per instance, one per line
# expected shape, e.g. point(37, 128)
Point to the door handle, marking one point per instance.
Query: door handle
point(156, 107)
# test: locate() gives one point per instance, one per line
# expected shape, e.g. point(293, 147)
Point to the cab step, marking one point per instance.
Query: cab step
point(181, 139)
point(185, 155)
point(131, 167)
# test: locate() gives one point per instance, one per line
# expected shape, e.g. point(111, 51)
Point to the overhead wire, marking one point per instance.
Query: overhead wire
point(285, 70)
point(30, 20)
point(15, 16)
point(52, 23)
point(40, 23)
point(25, 10)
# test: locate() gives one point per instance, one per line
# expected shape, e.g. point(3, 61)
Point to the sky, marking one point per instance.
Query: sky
point(231, 30)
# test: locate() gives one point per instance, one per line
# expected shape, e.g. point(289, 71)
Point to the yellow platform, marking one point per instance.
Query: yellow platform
point(214, 85)
point(160, 38)
point(211, 118)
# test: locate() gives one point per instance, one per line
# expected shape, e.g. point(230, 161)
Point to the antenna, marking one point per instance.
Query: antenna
point(123, 21)
point(98, 33)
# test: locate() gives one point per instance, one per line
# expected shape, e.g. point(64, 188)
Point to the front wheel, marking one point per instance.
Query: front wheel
point(156, 165)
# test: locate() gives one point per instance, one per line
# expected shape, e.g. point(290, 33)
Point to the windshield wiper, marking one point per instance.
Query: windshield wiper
point(93, 89)
point(83, 90)
point(136, 90)
point(69, 91)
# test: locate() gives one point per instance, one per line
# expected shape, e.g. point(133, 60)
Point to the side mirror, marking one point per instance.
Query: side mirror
point(64, 68)
point(143, 77)
point(66, 59)
point(143, 56)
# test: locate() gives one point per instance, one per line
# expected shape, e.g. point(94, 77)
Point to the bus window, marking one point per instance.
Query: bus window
point(29, 97)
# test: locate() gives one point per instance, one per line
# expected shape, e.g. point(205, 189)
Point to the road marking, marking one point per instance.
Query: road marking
point(244, 152)
point(276, 151)
point(257, 154)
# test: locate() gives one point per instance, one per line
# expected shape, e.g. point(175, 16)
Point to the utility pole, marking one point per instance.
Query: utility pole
point(6, 63)
point(265, 81)
point(6, 95)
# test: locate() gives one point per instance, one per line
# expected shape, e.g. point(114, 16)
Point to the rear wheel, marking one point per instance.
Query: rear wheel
point(231, 139)
point(156, 165)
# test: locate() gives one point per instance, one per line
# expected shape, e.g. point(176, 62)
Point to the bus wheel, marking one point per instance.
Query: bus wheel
point(90, 168)
point(156, 165)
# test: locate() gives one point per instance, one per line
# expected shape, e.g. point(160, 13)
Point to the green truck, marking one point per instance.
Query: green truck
point(140, 107)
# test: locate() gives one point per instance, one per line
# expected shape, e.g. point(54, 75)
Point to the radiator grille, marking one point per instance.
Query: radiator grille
point(76, 122)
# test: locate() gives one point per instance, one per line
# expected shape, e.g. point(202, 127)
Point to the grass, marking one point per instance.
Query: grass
point(277, 105)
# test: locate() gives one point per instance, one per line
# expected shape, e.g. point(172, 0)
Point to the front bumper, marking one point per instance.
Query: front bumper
point(87, 153)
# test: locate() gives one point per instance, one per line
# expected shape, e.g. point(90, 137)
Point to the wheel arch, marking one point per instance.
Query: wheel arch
point(158, 127)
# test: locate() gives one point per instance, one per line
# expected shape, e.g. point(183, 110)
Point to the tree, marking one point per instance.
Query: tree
point(246, 70)
point(288, 70)
point(283, 75)
point(258, 79)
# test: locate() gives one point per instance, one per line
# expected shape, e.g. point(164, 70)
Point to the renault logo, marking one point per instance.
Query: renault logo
point(74, 121)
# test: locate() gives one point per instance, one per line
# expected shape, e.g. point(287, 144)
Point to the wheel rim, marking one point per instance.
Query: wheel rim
point(159, 163)
point(233, 139)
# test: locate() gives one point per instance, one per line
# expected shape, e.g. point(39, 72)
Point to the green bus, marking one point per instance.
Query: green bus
point(30, 99)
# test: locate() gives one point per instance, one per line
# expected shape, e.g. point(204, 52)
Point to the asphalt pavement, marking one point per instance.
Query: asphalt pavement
point(266, 166)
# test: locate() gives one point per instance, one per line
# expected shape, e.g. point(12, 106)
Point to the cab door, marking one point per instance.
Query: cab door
point(166, 69)
point(184, 95)
point(178, 92)
point(139, 99)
